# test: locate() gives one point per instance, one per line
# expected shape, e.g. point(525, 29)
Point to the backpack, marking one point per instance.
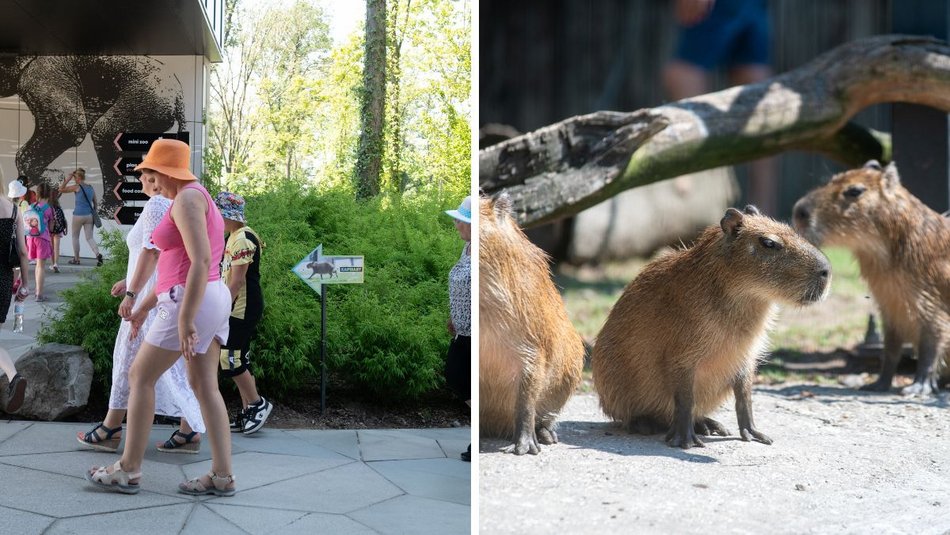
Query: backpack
point(34, 221)
point(58, 226)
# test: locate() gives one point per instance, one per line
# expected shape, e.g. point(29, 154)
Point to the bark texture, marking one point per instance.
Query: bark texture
point(369, 155)
point(564, 168)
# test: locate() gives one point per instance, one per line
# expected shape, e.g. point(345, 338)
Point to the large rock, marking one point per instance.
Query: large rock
point(641, 220)
point(58, 381)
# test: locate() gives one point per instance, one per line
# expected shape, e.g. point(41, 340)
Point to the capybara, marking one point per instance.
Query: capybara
point(692, 326)
point(321, 268)
point(903, 250)
point(530, 356)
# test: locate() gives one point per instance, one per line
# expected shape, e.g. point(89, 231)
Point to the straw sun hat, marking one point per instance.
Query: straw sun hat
point(169, 157)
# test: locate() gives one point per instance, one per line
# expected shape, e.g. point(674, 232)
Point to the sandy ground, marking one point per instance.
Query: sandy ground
point(842, 461)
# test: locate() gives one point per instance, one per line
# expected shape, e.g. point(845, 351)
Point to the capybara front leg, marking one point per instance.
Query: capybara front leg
point(682, 434)
point(526, 439)
point(925, 380)
point(892, 356)
point(743, 392)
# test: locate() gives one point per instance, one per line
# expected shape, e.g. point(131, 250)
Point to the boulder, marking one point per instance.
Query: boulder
point(58, 377)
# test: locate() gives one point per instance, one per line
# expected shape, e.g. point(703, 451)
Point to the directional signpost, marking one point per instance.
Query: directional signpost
point(316, 271)
point(133, 146)
point(130, 191)
point(140, 142)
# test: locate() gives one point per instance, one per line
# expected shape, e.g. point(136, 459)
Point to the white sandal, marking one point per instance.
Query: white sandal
point(195, 487)
point(119, 480)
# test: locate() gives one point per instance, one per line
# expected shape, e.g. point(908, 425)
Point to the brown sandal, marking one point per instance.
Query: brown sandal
point(195, 487)
point(119, 480)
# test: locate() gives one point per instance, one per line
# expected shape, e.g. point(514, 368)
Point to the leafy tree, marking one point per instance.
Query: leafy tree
point(372, 112)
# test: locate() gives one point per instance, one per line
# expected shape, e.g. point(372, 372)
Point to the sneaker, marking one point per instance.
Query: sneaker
point(237, 424)
point(256, 414)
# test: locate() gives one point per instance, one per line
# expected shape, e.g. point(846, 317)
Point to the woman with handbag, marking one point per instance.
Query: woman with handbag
point(84, 215)
point(12, 254)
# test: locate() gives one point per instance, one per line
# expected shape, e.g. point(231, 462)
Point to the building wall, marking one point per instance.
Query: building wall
point(81, 103)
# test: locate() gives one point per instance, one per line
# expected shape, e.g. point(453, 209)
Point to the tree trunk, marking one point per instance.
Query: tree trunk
point(369, 156)
point(564, 168)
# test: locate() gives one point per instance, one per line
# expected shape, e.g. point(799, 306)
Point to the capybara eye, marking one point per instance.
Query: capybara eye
point(770, 244)
point(853, 192)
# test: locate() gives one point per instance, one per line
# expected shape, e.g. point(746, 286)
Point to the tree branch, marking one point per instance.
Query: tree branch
point(564, 168)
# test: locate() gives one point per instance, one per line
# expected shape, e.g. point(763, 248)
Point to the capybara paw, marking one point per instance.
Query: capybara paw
point(546, 436)
point(708, 427)
point(922, 389)
point(753, 434)
point(525, 444)
point(877, 386)
point(685, 440)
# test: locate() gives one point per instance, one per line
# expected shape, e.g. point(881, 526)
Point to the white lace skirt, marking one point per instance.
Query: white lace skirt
point(173, 394)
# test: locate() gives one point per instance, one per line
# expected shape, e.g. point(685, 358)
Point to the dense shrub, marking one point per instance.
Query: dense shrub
point(386, 336)
point(88, 316)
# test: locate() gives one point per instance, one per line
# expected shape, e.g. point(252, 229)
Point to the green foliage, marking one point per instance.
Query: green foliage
point(386, 337)
point(88, 316)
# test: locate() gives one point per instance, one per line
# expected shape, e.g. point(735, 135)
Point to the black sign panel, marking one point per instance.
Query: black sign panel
point(128, 215)
point(126, 166)
point(140, 142)
point(130, 191)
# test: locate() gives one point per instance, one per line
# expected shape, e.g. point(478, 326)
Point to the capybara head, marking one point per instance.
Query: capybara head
point(768, 258)
point(848, 210)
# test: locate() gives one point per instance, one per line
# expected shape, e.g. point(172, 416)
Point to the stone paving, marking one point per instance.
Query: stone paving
point(289, 481)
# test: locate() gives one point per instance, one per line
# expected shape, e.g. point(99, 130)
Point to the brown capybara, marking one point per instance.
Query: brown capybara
point(691, 327)
point(903, 250)
point(530, 357)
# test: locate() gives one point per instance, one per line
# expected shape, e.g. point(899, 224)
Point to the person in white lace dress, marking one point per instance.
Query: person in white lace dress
point(173, 394)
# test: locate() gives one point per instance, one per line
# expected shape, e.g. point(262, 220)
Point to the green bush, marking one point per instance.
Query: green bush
point(89, 317)
point(386, 337)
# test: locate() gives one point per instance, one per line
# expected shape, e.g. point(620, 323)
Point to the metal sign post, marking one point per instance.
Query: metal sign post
point(336, 270)
point(323, 349)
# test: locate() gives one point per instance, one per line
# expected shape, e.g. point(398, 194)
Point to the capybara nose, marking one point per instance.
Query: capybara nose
point(824, 268)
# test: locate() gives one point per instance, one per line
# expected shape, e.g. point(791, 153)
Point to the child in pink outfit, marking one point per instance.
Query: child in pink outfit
point(39, 242)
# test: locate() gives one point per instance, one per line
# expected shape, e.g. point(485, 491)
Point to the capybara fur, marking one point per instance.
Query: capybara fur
point(903, 250)
point(692, 326)
point(530, 356)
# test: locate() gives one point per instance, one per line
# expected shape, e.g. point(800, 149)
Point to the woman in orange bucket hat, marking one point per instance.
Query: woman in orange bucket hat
point(192, 320)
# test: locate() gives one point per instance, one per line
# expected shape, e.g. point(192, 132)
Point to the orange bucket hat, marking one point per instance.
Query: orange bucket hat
point(170, 157)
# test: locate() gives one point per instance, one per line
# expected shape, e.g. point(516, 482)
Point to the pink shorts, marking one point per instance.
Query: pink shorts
point(211, 321)
point(38, 248)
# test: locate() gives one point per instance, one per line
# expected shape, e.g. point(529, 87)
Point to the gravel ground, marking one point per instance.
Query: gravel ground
point(842, 461)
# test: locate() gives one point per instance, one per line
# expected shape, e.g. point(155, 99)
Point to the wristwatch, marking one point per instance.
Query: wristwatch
point(130, 294)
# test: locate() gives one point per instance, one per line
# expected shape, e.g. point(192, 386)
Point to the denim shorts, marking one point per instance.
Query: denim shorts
point(211, 321)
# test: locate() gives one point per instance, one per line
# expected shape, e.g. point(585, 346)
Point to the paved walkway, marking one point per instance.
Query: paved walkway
point(289, 481)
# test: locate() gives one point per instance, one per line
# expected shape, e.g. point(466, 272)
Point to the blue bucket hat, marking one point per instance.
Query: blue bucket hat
point(231, 206)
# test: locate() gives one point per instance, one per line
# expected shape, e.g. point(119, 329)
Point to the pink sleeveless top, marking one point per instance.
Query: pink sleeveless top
point(173, 261)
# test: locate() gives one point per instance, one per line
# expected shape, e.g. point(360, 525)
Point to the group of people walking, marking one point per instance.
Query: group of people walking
point(191, 303)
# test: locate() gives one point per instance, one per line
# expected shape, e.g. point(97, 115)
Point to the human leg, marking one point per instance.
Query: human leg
point(203, 375)
point(150, 363)
point(107, 435)
point(55, 266)
point(87, 229)
point(763, 182)
point(77, 228)
point(39, 273)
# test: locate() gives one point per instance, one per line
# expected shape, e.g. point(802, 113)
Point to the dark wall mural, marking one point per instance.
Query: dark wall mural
point(71, 97)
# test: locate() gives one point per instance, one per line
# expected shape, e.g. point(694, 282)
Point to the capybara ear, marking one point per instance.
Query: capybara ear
point(891, 178)
point(872, 164)
point(731, 223)
point(751, 210)
point(502, 205)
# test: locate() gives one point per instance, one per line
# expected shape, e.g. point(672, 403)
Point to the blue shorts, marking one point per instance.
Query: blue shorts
point(736, 32)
